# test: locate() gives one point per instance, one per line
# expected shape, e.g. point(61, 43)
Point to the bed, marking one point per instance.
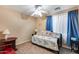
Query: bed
point(49, 40)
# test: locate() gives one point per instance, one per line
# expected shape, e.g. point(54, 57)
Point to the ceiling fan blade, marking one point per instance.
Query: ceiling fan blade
point(43, 12)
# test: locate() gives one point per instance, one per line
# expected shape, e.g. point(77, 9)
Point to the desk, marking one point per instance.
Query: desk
point(10, 41)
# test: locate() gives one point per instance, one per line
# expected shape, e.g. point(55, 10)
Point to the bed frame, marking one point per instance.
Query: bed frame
point(59, 43)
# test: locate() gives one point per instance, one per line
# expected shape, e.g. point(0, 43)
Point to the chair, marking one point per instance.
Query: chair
point(74, 44)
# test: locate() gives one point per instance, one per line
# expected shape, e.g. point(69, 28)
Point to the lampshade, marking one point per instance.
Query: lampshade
point(6, 31)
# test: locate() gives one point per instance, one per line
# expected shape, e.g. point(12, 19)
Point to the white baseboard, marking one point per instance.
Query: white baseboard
point(22, 42)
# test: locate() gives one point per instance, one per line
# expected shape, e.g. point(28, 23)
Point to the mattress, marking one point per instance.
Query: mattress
point(45, 41)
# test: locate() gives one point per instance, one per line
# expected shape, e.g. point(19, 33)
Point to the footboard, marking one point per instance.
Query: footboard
point(59, 41)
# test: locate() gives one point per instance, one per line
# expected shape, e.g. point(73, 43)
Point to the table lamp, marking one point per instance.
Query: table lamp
point(36, 31)
point(6, 32)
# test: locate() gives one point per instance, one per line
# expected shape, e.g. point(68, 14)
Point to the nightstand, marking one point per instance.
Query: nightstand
point(10, 41)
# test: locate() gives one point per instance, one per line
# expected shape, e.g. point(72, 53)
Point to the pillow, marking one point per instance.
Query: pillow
point(55, 35)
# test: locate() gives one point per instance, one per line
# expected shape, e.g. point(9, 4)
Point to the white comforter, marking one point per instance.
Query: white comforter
point(45, 41)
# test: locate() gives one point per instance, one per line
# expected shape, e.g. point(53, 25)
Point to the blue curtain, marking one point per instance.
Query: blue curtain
point(72, 27)
point(49, 26)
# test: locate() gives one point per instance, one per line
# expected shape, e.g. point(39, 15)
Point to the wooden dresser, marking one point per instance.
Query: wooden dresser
point(9, 41)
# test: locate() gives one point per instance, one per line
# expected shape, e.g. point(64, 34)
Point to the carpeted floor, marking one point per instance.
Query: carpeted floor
point(29, 48)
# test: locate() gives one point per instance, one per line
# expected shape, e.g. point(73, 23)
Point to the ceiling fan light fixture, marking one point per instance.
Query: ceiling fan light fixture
point(39, 12)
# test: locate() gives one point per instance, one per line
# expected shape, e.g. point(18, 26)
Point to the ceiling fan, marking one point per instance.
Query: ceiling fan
point(39, 11)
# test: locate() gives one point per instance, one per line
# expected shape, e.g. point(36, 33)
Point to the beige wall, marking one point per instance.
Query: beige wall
point(22, 28)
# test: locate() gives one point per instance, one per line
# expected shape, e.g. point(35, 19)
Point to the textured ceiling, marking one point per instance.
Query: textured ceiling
point(29, 9)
